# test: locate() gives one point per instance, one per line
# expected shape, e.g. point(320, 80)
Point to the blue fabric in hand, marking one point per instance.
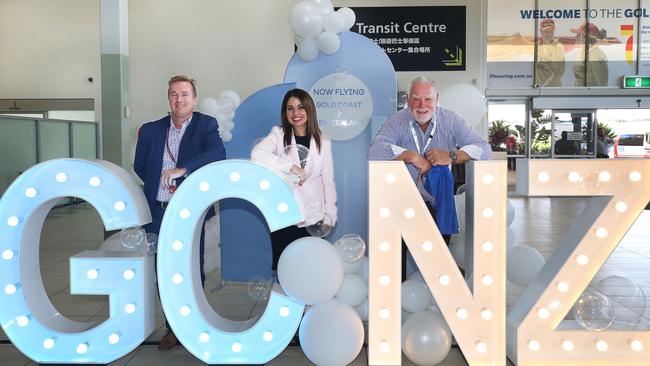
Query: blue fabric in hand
point(440, 184)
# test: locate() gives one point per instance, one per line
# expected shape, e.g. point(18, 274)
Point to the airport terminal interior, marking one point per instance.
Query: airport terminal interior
point(535, 79)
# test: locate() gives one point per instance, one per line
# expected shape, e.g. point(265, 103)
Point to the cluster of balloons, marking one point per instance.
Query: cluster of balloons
point(223, 109)
point(615, 302)
point(426, 337)
point(316, 26)
point(523, 262)
point(310, 270)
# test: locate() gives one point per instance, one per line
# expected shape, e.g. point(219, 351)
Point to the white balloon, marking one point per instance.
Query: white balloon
point(465, 100)
point(225, 116)
point(297, 39)
point(364, 269)
point(425, 339)
point(416, 296)
point(225, 105)
point(457, 249)
point(212, 255)
point(208, 106)
point(114, 244)
point(415, 276)
point(510, 213)
point(324, 6)
point(232, 95)
point(306, 19)
point(225, 135)
point(334, 22)
point(331, 334)
point(348, 16)
point(308, 50)
point(226, 125)
point(523, 264)
point(353, 290)
point(511, 238)
point(310, 271)
point(350, 268)
point(362, 310)
point(328, 43)
point(405, 316)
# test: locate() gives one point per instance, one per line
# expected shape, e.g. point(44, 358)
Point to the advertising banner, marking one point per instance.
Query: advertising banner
point(417, 38)
point(547, 45)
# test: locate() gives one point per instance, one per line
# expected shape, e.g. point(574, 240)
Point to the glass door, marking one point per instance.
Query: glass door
point(574, 134)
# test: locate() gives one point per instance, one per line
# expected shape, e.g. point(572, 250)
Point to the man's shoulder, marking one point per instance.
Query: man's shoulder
point(203, 118)
point(161, 123)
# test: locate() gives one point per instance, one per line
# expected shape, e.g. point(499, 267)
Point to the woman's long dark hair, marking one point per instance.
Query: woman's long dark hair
point(312, 121)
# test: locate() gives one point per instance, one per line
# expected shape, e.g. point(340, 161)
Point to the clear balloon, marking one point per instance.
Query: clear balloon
point(297, 156)
point(133, 237)
point(328, 43)
point(350, 247)
point(594, 311)
point(310, 271)
point(152, 243)
point(306, 19)
point(319, 229)
point(331, 334)
point(627, 298)
point(259, 288)
point(425, 338)
point(308, 49)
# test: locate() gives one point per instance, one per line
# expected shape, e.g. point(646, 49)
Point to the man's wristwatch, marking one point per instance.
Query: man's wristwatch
point(453, 155)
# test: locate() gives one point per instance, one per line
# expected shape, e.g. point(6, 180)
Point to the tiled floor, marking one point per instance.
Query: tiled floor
point(539, 222)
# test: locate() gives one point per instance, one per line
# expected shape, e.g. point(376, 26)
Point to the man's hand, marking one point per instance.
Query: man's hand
point(420, 163)
point(438, 157)
point(168, 176)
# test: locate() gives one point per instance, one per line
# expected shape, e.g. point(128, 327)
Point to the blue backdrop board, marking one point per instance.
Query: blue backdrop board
point(245, 242)
point(344, 85)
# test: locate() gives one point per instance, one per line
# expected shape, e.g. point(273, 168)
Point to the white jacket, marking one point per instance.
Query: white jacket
point(317, 195)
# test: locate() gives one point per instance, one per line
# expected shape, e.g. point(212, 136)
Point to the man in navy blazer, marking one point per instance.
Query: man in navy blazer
point(170, 149)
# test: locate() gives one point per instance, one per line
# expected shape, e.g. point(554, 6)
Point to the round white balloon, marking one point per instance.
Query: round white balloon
point(334, 22)
point(425, 338)
point(308, 50)
point(310, 271)
point(331, 334)
point(225, 135)
point(324, 6)
point(350, 268)
point(465, 100)
point(416, 296)
point(415, 276)
point(232, 95)
point(208, 106)
point(364, 269)
point(353, 290)
point(362, 310)
point(523, 264)
point(348, 16)
point(306, 19)
point(328, 42)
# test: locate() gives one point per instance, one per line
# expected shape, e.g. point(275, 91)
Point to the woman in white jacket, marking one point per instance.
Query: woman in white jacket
point(314, 182)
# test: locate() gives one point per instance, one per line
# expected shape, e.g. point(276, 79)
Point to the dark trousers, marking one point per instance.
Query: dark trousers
point(280, 239)
point(157, 213)
point(446, 237)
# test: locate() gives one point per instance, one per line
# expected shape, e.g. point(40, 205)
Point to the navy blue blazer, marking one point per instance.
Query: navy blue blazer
point(200, 145)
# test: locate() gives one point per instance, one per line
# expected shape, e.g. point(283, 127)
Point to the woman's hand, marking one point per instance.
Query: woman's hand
point(299, 173)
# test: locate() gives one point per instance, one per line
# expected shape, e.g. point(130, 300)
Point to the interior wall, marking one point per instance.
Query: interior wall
point(50, 49)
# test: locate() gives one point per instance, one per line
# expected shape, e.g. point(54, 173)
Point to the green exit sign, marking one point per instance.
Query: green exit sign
point(636, 81)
